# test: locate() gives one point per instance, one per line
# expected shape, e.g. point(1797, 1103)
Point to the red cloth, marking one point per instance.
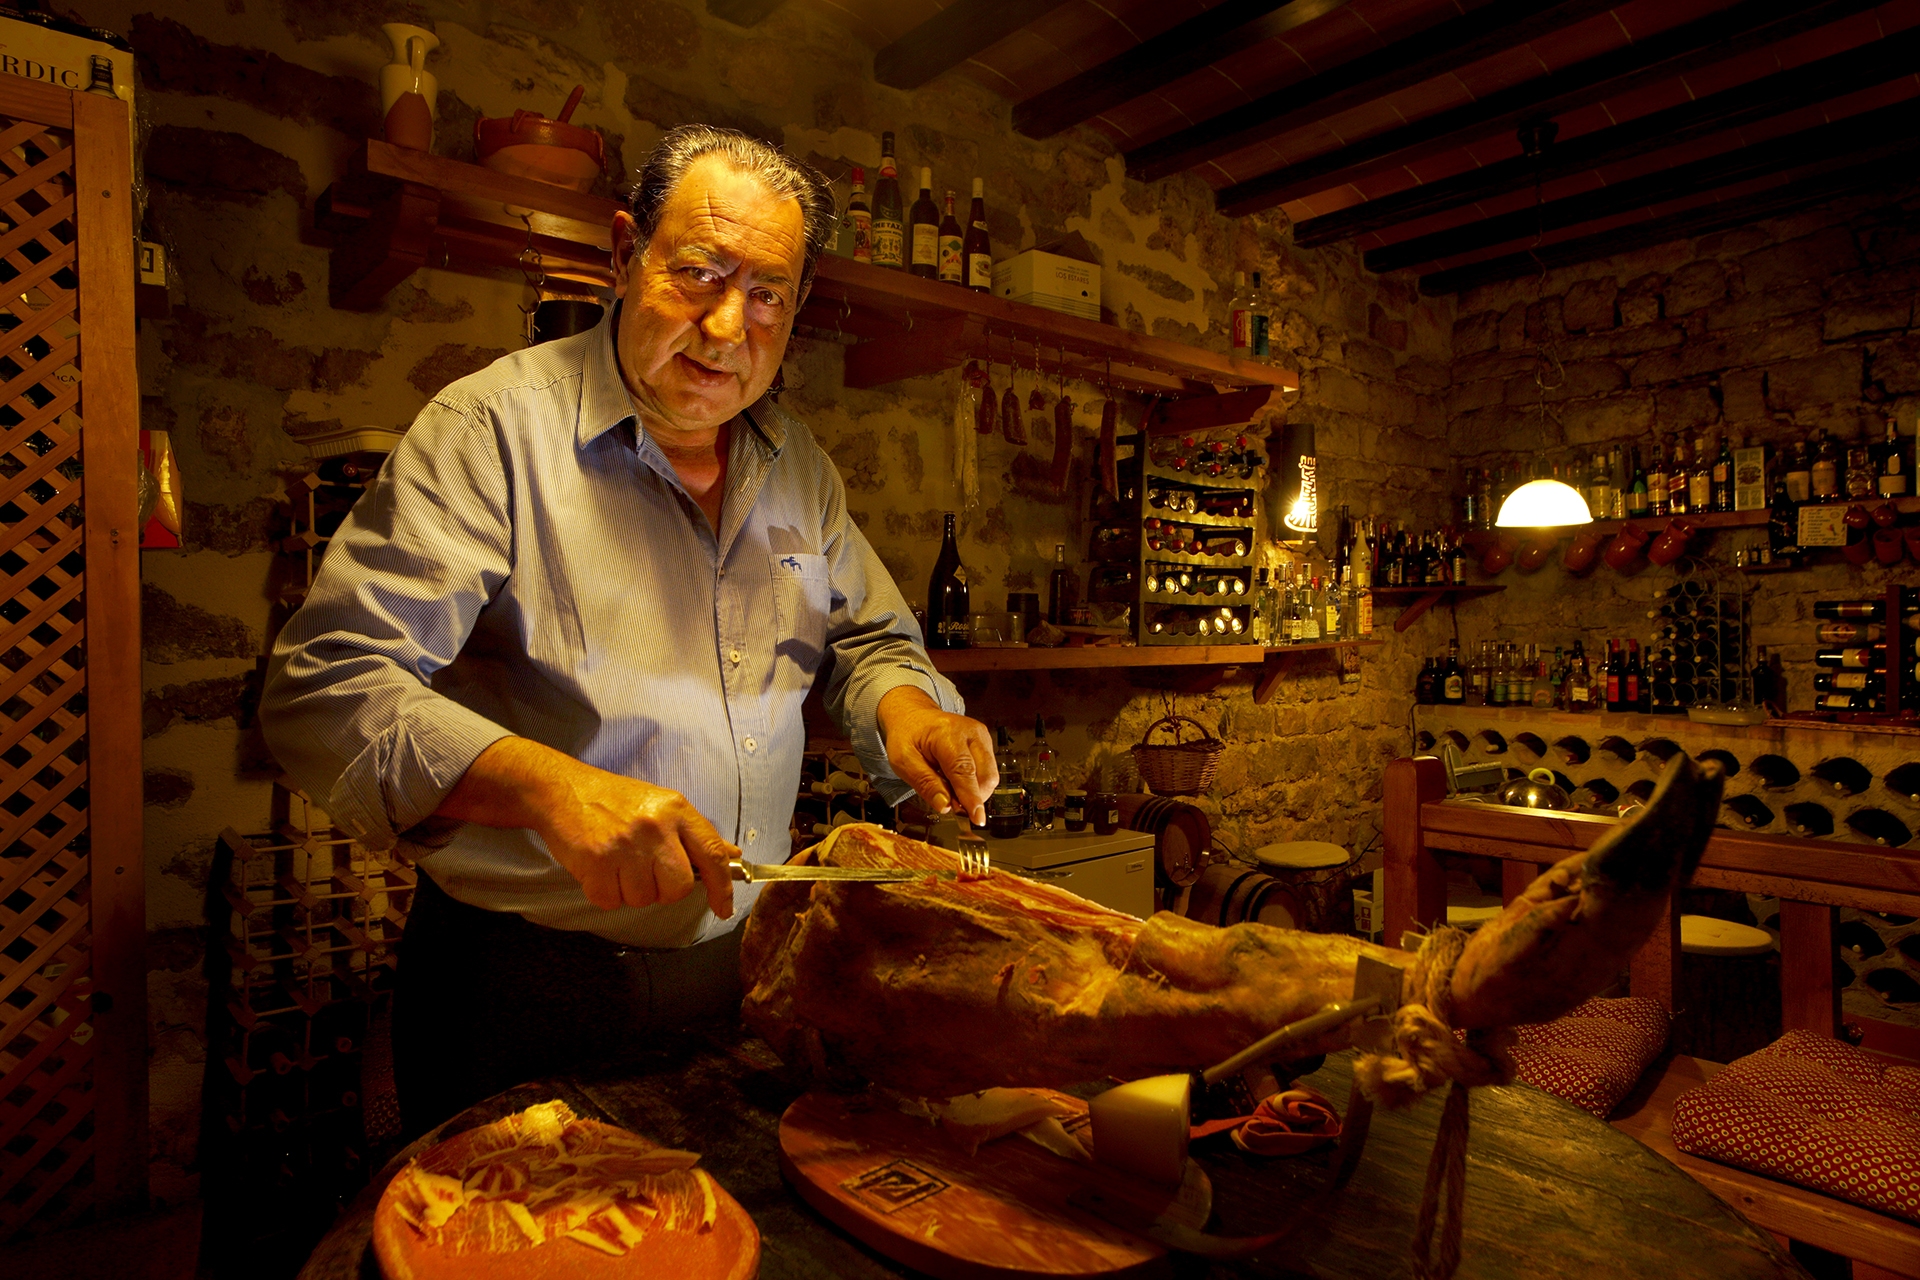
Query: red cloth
point(1816, 1112)
point(1284, 1124)
point(1593, 1055)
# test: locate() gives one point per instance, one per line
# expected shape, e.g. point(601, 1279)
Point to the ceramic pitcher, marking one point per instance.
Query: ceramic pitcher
point(407, 72)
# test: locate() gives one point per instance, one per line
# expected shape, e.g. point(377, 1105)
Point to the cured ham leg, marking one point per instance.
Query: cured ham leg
point(943, 987)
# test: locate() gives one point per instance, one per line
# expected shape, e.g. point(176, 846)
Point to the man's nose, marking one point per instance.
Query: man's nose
point(725, 323)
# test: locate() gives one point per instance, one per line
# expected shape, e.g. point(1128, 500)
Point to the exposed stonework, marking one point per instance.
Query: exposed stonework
point(174, 632)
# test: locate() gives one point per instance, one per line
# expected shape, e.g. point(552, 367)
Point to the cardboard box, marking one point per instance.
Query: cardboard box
point(1750, 478)
point(56, 52)
point(1047, 279)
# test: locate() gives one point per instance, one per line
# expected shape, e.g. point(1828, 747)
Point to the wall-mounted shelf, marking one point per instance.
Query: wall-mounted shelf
point(1212, 662)
point(1422, 598)
point(1701, 520)
point(395, 211)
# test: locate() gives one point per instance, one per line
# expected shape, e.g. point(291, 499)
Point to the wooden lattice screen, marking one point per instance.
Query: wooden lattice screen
point(72, 978)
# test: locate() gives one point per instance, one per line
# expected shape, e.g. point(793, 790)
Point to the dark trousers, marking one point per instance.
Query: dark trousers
point(485, 1000)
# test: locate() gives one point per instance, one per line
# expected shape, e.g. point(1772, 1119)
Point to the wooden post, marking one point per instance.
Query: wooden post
point(103, 214)
point(1416, 885)
point(1809, 1000)
point(1655, 971)
point(1515, 877)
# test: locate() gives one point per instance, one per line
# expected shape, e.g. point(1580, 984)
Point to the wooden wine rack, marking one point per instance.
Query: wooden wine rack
point(1903, 690)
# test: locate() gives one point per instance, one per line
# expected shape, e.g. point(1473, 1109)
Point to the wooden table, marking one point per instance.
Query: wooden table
point(1550, 1189)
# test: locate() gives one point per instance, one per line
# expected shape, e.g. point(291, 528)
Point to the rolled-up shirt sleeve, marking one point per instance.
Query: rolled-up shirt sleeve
point(876, 643)
point(349, 708)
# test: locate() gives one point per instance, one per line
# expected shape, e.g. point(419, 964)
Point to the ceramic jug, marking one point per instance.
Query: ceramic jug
point(407, 72)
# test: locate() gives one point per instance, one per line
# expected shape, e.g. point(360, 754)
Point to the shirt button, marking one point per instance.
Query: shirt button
point(749, 744)
point(733, 655)
point(752, 835)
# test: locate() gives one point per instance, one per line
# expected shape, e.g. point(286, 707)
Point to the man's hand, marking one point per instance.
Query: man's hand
point(628, 842)
point(948, 759)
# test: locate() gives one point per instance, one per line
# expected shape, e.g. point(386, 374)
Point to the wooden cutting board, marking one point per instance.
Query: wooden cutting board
point(901, 1186)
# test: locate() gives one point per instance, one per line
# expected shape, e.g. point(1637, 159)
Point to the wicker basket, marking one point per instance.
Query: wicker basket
point(1177, 768)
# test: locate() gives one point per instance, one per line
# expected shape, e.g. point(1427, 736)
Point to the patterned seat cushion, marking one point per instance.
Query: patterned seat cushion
point(1593, 1055)
point(1817, 1112)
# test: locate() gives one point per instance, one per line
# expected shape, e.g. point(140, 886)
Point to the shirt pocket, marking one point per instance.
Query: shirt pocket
point(802, 601)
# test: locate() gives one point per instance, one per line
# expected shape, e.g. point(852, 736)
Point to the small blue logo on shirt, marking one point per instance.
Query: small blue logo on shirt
point(791, 563)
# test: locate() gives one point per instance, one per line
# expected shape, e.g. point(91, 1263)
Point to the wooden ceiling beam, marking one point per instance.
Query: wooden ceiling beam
point(1870, 132)
point(1198, 42)
point(743, 13)
point(1769, 96)
point(1790, 196)
point(953, 35)
point(1741, 28)
point(1490, 29)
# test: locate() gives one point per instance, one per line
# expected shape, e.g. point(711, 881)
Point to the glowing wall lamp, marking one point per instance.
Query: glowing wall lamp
point(1299, 489)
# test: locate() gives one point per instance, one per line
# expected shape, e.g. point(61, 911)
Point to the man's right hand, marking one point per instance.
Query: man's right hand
point(628, 842)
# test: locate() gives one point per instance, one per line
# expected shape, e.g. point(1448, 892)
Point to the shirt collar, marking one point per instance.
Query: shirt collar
point(605, 403)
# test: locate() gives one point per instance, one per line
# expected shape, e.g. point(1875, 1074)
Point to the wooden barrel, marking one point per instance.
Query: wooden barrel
point(1222, 893)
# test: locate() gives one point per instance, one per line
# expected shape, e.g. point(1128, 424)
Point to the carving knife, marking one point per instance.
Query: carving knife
point(974, 864)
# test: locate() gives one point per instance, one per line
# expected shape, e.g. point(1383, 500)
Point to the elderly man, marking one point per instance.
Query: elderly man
point(558, 651)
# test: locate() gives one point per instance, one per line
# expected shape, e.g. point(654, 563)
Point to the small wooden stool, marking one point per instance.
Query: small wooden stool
point(1308, 876)
point(1729, 989)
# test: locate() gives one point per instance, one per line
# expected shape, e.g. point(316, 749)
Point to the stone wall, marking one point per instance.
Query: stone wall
point(253, 108)
point(1765, 332)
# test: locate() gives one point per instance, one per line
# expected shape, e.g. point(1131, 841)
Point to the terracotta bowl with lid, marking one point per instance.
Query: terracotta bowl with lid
point(529, 145)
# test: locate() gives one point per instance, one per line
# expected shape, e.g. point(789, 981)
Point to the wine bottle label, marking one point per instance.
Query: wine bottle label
point(1848, 632)
point(979, 271)
point(1850, 680)
point(862, 235)
point(888, 239)
point(1893, 484)
point(1242, 329)
point(950, 259)
point(926, 245)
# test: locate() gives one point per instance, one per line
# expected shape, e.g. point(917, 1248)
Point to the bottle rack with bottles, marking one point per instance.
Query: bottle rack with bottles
point(1697, 654)
point(1870, 658)
point(1178, 543)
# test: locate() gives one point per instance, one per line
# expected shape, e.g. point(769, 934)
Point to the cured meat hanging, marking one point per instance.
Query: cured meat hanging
point(938, 988)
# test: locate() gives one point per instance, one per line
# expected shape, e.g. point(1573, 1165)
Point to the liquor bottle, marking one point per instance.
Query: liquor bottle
point(1310, 612)
point(1259, 632)
point(1824, 473)
point(1042, 780)
point(1579, 680)
point(1556, 681)
point(1679, 478)
point(1657, 480)
point(947, 606)
point(1799, 472)
point(1599, 487)
point(1423, 685)
point(1259, 321)
point(1452, 683)
point(1864, 658)
point(889, 214)
point(1700, 479)
point(1723, 475)
point(1006, 759)
point(952, 265)
point(1062, 588)
point(1330, 603)
point(1457, 562)
point(100, 76)
point(1487, 512)
point(1240, 316)
point(923, 224)
point(1617, 482)
point(978, 247)
point(1862, 475)
point(1893, 482)
point(1615, 672)
point(1847, 776)
point(1637, 502)
point(861, 217)
point(1783, 523)
point(1497, 678)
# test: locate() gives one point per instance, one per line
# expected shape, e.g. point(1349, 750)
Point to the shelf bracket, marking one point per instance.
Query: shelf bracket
point(388, 247)
point(932, 347)
point(1280, 663)
point(1411, 614)
point(1207, 412)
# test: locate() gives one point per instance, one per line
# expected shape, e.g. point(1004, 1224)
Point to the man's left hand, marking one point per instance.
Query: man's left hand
point(947, 758)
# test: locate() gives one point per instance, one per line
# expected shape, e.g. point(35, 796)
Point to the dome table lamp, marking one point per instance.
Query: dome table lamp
point(1543, 504)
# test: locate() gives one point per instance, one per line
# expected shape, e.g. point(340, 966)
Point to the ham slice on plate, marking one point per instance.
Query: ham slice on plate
point(543, 1193)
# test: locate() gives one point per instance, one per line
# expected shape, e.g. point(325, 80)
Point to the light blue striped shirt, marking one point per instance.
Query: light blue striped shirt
point(527, 563)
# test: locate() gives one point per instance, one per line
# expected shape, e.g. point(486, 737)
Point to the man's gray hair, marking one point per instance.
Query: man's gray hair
point(676, 152)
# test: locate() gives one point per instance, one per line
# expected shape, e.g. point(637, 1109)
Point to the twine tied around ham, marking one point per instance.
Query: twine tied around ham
point(1426, 1053)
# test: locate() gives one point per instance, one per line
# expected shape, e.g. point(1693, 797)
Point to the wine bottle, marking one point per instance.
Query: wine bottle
point(952, 258)
point(1657, 480)
point(1849, 702)
point(1573, 751)
point(1862, 473)
point(1810, 819)
point(1850, 633)
point(947, 605)
point(1893, 482)
point(1752, 812)
point(1637, 486)
point(978, 247)
point(1679, 478)
point(1700, 479)
point(861, 217)
point(923, 223)
point(1783, 523)
point(1880, 827)
point(1723, 475)
point(1849, 682)
point(1844, 774)
point(1061, 588)
point(889, 220)
point(1776, 771)
point(1259, 320)
point(1825, 469)
point(1860, 610)
point(1615, 675)
point(1453, 690)
point(1905, 780)
point(1240, 316)
point(1867, 658)
point(1798, 469)
point(1423, 685)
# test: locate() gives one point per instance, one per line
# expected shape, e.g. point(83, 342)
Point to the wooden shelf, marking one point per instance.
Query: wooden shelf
point(907, 326)
point(1704, 520)
point(1422, 598)
point(395, 211)
point(1211, 663)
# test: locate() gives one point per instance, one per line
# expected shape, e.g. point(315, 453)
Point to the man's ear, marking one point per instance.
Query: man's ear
point(626, 243)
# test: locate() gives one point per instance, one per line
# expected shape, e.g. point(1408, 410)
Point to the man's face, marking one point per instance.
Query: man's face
point(711, 300)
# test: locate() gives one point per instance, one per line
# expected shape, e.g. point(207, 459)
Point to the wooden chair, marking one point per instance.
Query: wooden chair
point(1811, 879)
